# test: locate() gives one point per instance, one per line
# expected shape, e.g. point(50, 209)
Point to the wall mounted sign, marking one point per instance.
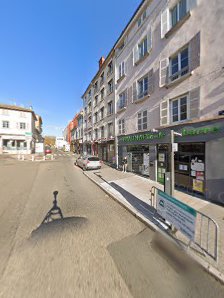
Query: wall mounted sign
point(143, 137)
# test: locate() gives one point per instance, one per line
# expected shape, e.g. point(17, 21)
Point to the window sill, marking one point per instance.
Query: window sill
point(142, 58)
point(178, 25)
point(179, 80)
point(136, 101)
point(121, 110)
point(121, 78)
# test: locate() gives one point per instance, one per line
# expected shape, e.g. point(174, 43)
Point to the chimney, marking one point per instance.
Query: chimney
point(102, 59)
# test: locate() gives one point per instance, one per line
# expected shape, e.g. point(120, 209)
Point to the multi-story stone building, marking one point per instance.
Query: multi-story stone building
point(169, 75)
point(18, 133)
point(99, 107)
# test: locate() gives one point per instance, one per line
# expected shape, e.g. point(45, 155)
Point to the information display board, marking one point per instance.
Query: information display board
point(182, 216)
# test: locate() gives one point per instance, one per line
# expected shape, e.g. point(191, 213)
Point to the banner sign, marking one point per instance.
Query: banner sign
point(182, 216)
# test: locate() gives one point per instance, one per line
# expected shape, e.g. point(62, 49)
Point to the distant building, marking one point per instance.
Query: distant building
point(60, 142)
point(18, 133)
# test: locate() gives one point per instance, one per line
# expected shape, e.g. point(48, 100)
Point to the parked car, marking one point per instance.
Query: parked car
point(48, 150)
point(88, 162)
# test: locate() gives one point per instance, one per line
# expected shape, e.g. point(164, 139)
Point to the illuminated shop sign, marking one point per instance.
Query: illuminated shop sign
point(143, 137)
point(185, 133)
point(199, 131)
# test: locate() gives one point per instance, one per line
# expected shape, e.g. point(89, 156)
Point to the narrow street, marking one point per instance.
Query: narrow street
point(98, 249)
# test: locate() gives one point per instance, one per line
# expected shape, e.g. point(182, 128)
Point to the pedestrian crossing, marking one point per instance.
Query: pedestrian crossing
point(63, 154)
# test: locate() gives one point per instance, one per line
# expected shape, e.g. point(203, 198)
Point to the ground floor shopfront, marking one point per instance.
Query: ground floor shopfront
point(104, 149)
point(16, 144)
point(199, 159)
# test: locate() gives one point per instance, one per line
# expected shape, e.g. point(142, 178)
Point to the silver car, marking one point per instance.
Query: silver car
point(88, 162)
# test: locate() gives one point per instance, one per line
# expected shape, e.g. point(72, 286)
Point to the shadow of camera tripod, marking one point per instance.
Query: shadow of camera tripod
point(54, 211)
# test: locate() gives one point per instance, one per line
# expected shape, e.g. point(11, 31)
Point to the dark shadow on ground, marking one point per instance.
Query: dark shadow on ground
point(54, 222)
point(145, 209)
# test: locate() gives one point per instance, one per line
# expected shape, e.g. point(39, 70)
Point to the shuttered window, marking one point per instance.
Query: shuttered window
point(142, 120)
point(121, 126)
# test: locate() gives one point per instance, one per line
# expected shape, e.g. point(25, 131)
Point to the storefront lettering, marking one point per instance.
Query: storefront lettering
point(199, 131)
point(142, 137)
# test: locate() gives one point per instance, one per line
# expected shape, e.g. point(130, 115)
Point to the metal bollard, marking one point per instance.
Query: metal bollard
point(44, 157)
point(18, 157)
point(23, 158)
point(52, 156)
point(32, 158)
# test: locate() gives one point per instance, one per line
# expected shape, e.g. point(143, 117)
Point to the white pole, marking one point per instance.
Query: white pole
point(172, 180)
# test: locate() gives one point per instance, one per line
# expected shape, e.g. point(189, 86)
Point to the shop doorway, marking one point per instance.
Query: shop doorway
point(162, 162)
point(190, 167)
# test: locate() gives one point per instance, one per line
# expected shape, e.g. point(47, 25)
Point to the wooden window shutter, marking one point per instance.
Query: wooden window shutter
point(134, 92)
point(164, 112)
point(194, 103)
point(149, 40)
point(164, 22)
point(194, 49)
point(163, 72)
point(150, 82)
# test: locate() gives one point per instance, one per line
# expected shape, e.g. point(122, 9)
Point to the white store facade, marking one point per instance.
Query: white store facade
point(17, 130)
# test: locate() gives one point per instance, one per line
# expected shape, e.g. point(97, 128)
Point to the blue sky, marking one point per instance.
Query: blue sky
point(49, 52)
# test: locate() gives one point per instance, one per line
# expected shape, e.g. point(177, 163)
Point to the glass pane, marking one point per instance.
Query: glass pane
point(145, 46)
point(182, 9)
point(184, 58)
point(175, 118)
point(144, 126)
point(183, 116)
point(145, 114)
point(174, 16)
point(139, 127)
point(175, 104)
point(183, 101)
point(146, 84)
point(174, 65)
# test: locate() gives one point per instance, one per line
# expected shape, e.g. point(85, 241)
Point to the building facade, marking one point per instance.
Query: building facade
point(99, 112)
point(18, 133)
point(169, 75)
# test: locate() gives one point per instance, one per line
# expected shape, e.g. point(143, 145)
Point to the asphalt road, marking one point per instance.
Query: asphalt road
point(98, 249)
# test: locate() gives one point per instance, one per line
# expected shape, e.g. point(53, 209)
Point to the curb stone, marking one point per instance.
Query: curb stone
point(205, 265)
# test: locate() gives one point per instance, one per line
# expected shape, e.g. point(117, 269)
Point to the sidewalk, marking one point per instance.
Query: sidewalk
point(133, 192)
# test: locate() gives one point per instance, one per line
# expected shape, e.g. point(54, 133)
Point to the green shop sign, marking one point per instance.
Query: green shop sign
point(199, 131)
point(143, 137)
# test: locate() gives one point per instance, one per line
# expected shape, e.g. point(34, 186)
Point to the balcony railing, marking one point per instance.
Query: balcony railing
point(137, 96)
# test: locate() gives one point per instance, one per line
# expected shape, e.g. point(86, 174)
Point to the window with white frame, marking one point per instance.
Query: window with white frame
point(142, 48)
point(121, 70)
point(101, 78)
point(110, 86)
point(141, 18)
point(102, 94)
point(110, 68)
point(96, 100)
point(142, 120)
point(178, 12)
point(5, 124)
point(102, 131)
point(142, 87)
point(178, 109)
point(121, 126)
point(122, 102)
point(96, 133)
point(110, 108)
point(179, 64)
point(110, 130)
point(22, 125)
point(102, 113)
